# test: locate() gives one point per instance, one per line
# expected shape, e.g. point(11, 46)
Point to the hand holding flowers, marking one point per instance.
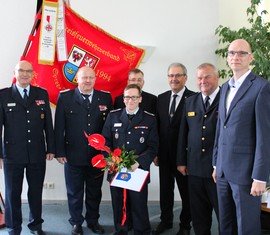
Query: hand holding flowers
point(116, 160)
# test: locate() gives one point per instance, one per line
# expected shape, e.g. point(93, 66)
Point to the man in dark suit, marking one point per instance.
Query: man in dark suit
point(169, 111)
point(195, 148)
point(242, 150)
point(25, 114)
point(135, 129)
point(81, 110)
point(149, 101)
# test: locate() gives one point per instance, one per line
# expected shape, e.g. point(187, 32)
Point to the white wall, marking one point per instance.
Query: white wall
point(180, 31)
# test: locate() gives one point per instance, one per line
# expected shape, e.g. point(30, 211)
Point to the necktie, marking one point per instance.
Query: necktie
point(172, 108)
point(86, 100)
point(25, 96)
point(130, 116)
point(206, 102)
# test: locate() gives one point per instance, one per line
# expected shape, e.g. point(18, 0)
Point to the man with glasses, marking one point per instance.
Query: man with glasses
point(149, 101)
point(169, 112)
point(241, 155)
point(83, 109)
point(135, 129)
point(28, 140)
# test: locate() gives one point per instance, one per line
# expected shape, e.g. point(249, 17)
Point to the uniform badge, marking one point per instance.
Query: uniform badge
point(142, 140)
point(11, 104)
point(116, 136)
point(42, 116)
point(191, 114)
point(40, 102)
point(102, 108)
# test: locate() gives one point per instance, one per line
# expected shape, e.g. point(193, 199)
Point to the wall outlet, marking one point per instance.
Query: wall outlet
point(50, 185)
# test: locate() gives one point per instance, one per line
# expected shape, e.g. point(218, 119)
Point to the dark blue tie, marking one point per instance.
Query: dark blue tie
point(25, 96)
point(86, 100)
point(172, 108)
point(206, 102)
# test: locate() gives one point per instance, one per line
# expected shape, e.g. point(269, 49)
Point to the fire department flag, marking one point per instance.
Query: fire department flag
point(87, 44)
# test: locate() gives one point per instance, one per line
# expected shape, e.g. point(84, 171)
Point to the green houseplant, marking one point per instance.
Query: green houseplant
point(258, 35)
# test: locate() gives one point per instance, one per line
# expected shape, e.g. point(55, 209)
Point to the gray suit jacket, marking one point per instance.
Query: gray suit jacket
point(242, 144)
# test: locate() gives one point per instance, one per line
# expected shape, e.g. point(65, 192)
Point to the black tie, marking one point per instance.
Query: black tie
point(130, 116)
point(86, 100)
point(206, 102)
point(172, 109)
point(25, 96)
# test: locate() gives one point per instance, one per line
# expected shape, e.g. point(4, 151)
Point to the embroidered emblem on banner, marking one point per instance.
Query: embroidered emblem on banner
point(78, 58)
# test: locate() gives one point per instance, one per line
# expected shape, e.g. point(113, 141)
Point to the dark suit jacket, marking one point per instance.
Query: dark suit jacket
point(72, 119)
point(169, 131)
point(197, 135)
point(242, 147)
point(139, 135)
point(26, 126)
point(149, 102)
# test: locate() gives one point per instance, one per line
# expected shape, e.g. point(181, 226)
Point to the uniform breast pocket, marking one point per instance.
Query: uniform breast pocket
point(141, 134)
point(117, 133)
point(71, 114)
point(11, 112)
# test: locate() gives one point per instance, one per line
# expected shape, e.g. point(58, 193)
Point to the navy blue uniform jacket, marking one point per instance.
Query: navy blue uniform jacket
point(139, 135)
point(26, 126)
point(72, 119)
point(197, 136)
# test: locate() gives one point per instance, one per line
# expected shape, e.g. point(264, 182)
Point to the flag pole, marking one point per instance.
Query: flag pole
point(34, 28)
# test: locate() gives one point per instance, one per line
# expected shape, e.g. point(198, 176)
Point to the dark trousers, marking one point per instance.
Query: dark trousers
point(137, 202)
point(14, 174)
point(80, 180)
point(167, 176)
point(239, 212)
point(203, 199)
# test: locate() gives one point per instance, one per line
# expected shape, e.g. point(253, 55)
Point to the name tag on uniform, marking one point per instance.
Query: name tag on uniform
point(117, 124)
point(191, 114)
point(11, 104)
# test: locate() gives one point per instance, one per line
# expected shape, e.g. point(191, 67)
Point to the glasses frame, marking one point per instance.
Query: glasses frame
point(238, 53)
point(133, 98)
point(177, 75)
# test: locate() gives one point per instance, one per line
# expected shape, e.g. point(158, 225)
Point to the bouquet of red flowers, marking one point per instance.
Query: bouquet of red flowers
point(116, 160)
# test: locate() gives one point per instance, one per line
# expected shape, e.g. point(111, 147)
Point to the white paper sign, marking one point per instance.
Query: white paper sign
point(130, 180)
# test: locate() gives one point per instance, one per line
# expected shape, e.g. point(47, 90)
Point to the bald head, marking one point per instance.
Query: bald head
point(23, 73)
point(86, 78)
point(239, 57)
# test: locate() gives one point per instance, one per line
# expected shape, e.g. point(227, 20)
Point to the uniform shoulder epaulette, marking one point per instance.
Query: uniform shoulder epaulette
point(3, 89)
point(115, 110)
point(62, 91)
point(105, 91)
point(149, 113)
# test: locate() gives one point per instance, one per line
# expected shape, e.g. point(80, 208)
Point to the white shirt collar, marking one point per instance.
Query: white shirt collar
point(180, 93)
point(212, 96)
point(239, 81)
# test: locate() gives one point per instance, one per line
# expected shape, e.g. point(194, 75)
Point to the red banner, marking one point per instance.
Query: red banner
point(87, 44)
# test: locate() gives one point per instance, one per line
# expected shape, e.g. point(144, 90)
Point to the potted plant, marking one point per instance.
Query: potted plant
point(258, 35)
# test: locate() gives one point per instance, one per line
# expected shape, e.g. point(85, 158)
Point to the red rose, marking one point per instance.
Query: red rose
point(117, 152)
point(99, 161)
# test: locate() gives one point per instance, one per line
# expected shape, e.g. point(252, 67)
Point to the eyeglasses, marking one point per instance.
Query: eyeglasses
point(178, 75)
point(28, 71)
point(239, 53)
point(133, 98)
point(135, 79)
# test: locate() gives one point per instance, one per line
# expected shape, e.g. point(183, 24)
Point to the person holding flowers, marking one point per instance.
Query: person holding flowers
point(135, 130)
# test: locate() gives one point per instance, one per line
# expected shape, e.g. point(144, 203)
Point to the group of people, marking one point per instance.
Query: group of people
point(213, 143)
